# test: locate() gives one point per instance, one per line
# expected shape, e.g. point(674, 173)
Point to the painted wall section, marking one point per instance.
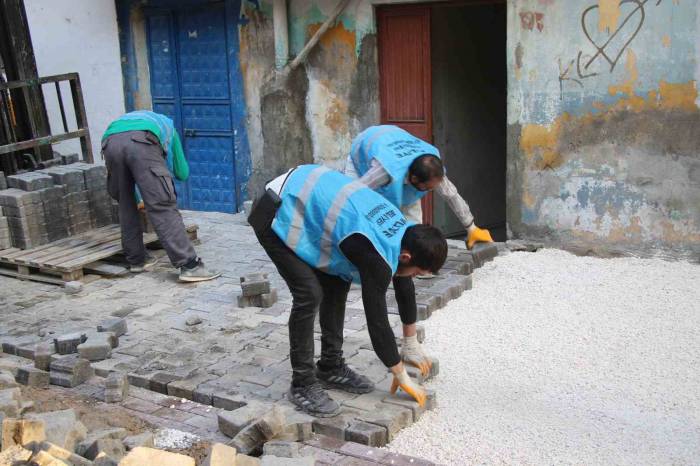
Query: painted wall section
point(603, 116)
point(79, 36)
point(314, 115)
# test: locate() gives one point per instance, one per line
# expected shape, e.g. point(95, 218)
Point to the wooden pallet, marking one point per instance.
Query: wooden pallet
point(65, 260)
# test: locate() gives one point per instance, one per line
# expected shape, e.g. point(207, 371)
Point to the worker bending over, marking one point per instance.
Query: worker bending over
point(323, 231)
point(141, 149)
point(403, 168)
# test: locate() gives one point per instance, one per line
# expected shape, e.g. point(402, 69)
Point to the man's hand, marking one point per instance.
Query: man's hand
point(412, 353)
point(140, 206)
point(409, 386)
point(476, 234)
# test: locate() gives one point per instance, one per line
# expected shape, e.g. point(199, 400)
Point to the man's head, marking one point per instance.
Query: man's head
point(423, 251)
point(426, 172)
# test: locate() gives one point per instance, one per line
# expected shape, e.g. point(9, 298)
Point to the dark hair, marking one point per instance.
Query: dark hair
point(427, 246)
point(425, 167)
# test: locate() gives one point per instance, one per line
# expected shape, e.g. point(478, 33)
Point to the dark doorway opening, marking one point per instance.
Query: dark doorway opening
point(468, 45)
point(447, 85)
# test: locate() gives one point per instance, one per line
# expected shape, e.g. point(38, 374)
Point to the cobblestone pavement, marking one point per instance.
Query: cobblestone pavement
point(233, 355)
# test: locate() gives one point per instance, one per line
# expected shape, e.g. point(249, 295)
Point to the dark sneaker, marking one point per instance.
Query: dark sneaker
point(344, 378)
point(199, 273)
point(313, 400)
point(148, 263)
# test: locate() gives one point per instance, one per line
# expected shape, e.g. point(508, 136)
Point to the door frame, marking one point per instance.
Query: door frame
point(131, 18)
point(391, 10)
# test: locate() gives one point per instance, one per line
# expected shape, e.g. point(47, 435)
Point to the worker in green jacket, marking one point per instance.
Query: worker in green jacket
point(141, 149)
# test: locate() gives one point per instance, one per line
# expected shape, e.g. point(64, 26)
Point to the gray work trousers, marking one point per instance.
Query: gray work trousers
point(136, 157)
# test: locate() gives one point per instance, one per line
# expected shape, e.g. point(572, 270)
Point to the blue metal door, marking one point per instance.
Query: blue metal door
point(190, 73)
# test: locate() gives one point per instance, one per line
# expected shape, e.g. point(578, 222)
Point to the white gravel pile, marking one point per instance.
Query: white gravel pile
point(558, 359)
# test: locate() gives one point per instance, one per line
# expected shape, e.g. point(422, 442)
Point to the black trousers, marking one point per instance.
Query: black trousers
point(311, 290)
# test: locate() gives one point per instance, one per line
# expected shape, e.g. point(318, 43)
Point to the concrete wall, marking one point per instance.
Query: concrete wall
point(79, 36)
point(603, 124)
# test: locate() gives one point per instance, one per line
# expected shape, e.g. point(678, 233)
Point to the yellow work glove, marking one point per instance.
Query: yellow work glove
point(476, 235)
point(409, 386)
point(412, 353)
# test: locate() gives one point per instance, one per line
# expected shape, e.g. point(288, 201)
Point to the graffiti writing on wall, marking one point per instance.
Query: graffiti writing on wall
point(530, 20)
point(603, 55)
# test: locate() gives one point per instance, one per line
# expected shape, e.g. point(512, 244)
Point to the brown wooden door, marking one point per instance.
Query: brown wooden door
point(405, 74)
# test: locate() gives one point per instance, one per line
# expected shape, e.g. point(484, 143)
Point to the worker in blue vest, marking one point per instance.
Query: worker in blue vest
point(403, 168)
point(323, 231)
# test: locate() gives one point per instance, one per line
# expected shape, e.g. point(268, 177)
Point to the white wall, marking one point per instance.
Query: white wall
point(79, 36)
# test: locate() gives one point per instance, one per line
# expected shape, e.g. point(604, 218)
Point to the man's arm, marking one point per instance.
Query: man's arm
point(375, 276)
point(180, 168)
point(376, 176)
point(448, 191)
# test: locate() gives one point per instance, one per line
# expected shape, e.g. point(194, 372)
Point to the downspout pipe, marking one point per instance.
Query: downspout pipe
point(281, 31)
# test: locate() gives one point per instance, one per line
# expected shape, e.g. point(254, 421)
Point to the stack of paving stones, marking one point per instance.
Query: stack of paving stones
point(5, 237)
point(96, 185)
point(54, 212)
point(53, 203)
point(256, 291)
point(75, 202)
point(25, 215)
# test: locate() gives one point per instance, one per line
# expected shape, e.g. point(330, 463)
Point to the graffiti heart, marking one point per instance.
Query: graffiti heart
point(607, 50)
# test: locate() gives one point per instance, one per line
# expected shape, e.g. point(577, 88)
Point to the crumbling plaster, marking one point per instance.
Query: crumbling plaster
point(602, 111)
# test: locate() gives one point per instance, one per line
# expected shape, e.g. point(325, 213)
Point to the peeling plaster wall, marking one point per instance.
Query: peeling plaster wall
point(603, 153)
point(325, 103)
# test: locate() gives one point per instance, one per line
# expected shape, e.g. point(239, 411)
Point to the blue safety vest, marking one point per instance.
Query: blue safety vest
point(395, 149)
point(321, 207)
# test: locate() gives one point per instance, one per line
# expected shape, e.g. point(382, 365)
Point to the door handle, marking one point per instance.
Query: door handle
point(190, 132)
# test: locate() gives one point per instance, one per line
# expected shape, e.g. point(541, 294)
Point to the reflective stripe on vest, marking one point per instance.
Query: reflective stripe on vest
point(321, 207)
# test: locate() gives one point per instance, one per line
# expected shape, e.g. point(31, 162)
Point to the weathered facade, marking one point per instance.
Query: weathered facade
point(603, 119)
point(602, 110)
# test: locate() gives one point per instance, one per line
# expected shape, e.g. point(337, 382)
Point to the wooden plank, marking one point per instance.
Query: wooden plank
point(43, 141)
point(44, 252)
point(28, 255)
point(37, 81)
point(72, 275)
point(59, 263)
point(34, 277)
point(97, 255)
point(69, 253)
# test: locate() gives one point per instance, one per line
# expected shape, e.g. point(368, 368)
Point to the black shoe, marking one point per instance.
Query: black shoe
point(313, 400)
point(344, 378)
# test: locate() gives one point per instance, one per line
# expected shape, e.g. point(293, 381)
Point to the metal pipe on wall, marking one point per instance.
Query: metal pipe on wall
point(281, 30)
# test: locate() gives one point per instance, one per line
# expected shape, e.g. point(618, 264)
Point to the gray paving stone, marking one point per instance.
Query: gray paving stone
point(62, 428)
point(252, 437)
point(372, 435)
point(70, 371)
point(10, 402)
point(67, 344)
point(228, 401)
point(282, 449)
point(116, 325)
point(144, 439)
point(484, 252)
point(185, 388)
point(254, 287)
point(95, 350)
point(42, 356)
point(232, 422)
point(32, 377)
